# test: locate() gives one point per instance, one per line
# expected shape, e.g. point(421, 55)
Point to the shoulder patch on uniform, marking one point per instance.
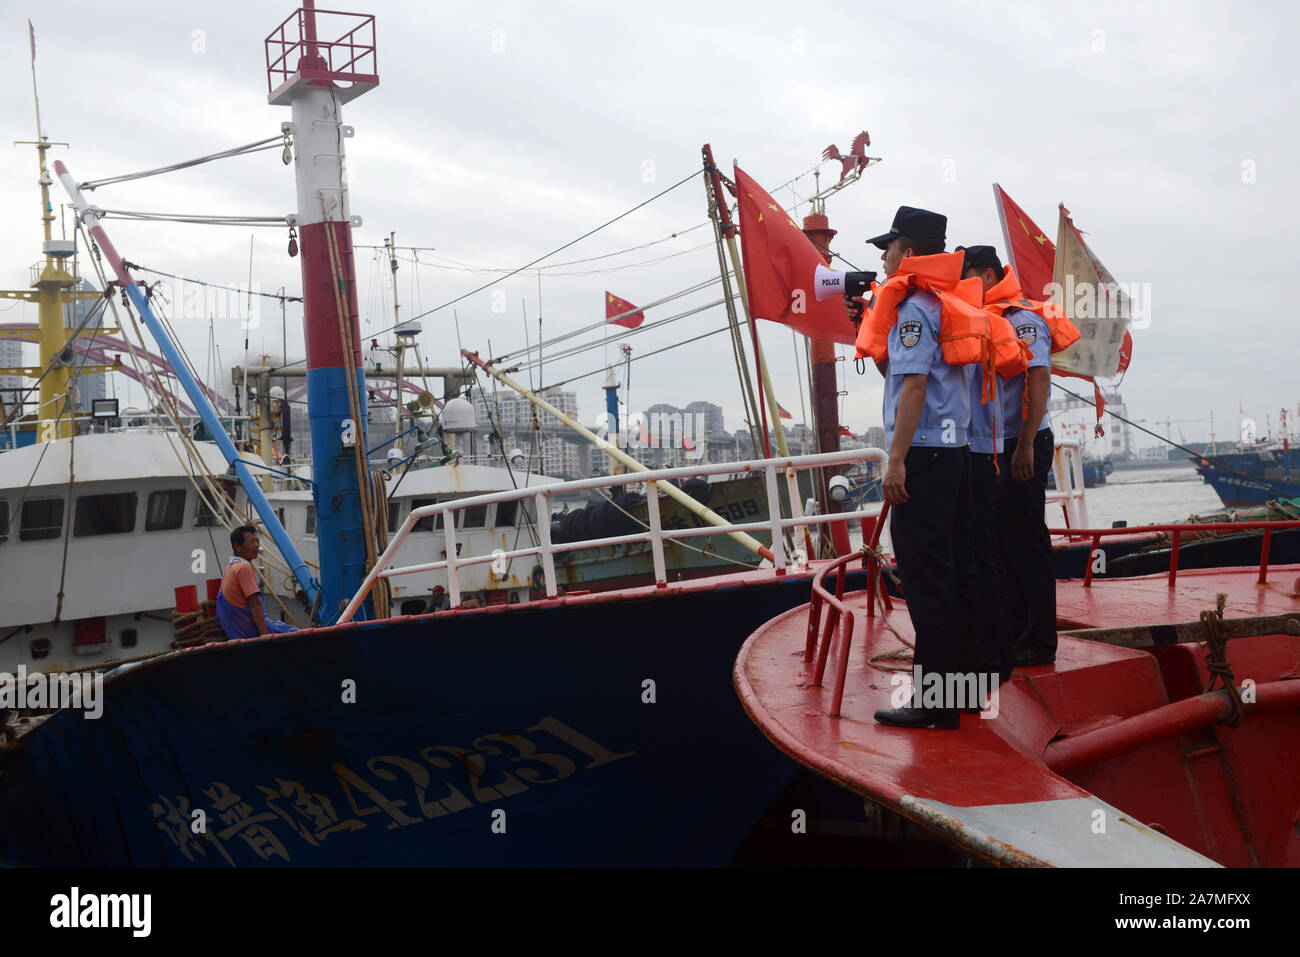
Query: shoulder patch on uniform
point(909, 332)
point(1027, 332)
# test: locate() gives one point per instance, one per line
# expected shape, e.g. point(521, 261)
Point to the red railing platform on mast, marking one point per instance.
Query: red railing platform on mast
point(295, 55)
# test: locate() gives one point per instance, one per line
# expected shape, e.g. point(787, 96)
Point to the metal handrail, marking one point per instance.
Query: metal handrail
point(656, 535)
point(1177, 530)
point(282, 38)
point(845, 619)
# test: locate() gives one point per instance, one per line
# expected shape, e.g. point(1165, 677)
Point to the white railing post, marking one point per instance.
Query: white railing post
point(1063, 477)
point(544, 533)
point(796, 511)
point(656, 534)
point(774, 517)
point(453, 573)
point(1079, 504)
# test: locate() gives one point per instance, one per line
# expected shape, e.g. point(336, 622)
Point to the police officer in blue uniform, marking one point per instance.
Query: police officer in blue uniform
point(994, 652)
point(927, 481)
point(1022, 497)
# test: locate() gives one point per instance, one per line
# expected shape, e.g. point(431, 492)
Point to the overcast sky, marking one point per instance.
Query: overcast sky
point(501, 131)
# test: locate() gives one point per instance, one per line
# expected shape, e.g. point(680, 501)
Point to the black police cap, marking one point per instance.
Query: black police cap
point(917, 223)
point(981, 258)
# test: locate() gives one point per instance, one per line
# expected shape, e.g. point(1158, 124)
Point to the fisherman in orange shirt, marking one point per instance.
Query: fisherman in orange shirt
point(241, 609)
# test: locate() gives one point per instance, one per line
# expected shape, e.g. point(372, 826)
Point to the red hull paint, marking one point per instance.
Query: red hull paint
point(320, 319)
point(1229, 794)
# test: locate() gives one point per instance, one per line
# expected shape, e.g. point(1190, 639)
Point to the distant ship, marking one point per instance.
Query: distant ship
point(1253, 477)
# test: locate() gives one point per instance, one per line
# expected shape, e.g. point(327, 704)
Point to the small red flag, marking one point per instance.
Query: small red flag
point(784, 414)
point(780, 261)
point(616, 306)
point(844, 431)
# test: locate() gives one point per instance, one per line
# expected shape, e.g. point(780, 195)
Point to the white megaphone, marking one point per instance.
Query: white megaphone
point(831, 282)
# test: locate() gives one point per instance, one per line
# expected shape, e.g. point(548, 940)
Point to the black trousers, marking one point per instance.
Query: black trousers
point(992, 655)
point(931, 534)
point(1027, 548)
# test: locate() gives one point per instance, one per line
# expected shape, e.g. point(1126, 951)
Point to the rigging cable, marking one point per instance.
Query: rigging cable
point(199, 282)
point(591, 346)
point(590, 232)
point(276, 141)
point(195, 218)
point(603, 324)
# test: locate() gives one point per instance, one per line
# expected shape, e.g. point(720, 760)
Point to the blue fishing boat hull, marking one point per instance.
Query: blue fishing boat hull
point(592, 731)
point(1239, 491)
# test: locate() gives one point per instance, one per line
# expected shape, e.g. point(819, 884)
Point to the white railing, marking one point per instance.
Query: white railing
point(1067, 467)
point(655, 534)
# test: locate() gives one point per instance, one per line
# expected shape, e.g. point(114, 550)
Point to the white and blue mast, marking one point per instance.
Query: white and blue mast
point(313, 78)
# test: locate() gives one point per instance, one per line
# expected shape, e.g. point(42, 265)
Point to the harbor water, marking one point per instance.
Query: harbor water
point(1148, 496)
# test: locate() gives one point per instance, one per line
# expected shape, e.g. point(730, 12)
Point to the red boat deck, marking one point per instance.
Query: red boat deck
point(1202, 795)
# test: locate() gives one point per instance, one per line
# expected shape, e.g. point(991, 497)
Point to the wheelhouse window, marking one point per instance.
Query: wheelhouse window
point(429, 522)
point(164, 510)
point(475, 517)
point(394, 515)
point(310, 527)
point(111, 514)
point(4, 520)
point(506, 514)
point(434, 523)
point(204, 517)
point(42, 519)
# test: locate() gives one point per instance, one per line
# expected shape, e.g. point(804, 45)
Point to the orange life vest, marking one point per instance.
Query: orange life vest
point(1007, 295)
point(1009, 352)
point(963, 324)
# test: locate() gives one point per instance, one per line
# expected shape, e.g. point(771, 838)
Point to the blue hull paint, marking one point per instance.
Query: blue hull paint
point(1237, 491)
point(546, 703)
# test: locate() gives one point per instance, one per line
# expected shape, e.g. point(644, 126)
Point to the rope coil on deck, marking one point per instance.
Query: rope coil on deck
point(1216, 660)
point(886, 660)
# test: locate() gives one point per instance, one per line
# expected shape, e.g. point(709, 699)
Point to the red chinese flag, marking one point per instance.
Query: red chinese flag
point(1029, 251)
point(844, 431)
point(779, 265)
point(614, 306)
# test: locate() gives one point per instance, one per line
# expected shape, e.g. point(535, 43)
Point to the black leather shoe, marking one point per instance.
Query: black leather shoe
point(944, 718)
point(1029, 657)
